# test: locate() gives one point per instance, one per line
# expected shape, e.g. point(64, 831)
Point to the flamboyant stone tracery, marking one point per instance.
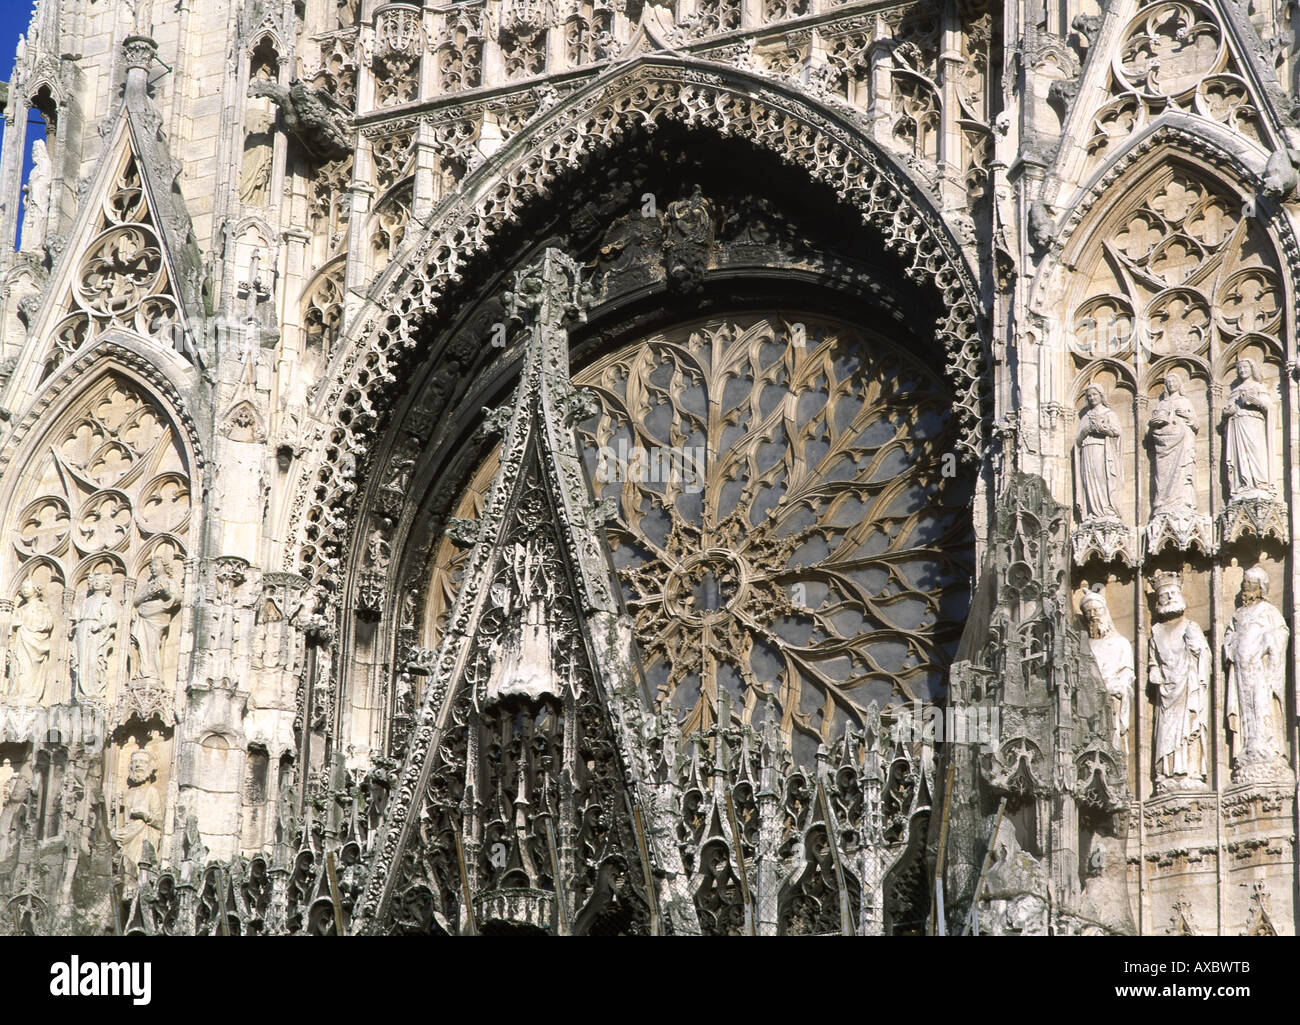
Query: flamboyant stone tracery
point(774, 530)
point(933, 352)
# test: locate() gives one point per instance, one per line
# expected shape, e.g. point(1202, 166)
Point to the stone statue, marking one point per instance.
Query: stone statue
point(1248, 435)
point(522, 659)
point(92, 637)
point(255, 172)
point(1254, 649)
point(1097, 478)
point(70, 797)
point(37, 205)
point(1114, 657)
point(155, 604)
point(378, 549)
point(30, 668)
point(13, 816)
point(1178, 670)
point(1172, 430)
point(138, 813)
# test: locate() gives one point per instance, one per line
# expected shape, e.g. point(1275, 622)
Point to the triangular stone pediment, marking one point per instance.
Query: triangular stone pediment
point(129, 263)
point(1146, 61)
point(520, 806)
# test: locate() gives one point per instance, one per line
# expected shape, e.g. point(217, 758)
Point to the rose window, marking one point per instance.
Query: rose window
point(788, 524)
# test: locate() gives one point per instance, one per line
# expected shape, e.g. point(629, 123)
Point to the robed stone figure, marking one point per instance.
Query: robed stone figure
point(1172, 431)
point(91, 637)
point(1254, 648)
point(138, 813)
point(1114, 657)
point(1097, 473)
point(1178, 670)
point(30, 668)
point(1248, 434)
point(155, 604)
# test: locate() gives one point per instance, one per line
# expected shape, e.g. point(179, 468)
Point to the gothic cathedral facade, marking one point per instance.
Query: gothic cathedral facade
point(431, 503)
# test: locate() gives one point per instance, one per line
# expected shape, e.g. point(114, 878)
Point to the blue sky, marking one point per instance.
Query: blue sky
point(14, 18)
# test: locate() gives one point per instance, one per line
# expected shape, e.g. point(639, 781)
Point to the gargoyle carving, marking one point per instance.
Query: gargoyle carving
point(1041, 230)
point(312, 116)
point(1280, 177)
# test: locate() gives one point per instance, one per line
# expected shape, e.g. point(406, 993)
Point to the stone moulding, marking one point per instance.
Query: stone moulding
point(1260, 518)
point(107, 354)
point(1191, 139)
point(1106, 541)
point(639, 95)
point(1183, 530)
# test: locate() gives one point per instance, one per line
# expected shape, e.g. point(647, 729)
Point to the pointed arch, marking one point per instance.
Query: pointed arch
point(100, 481)
point(1174, 142)
point(146, 451)
point(172, 382)
point(644, 93)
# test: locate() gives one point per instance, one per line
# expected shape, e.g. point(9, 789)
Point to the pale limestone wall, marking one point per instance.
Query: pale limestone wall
point(289, 269)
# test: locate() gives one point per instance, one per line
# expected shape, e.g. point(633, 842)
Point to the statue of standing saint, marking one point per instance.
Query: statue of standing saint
point(138, 813)
point(1254, 648)
point(255, 171)
point(91, 637)
point(37, 194)
point(1097, 460)
point(1114, 657)
point(1248, 435)
point(1172, 430)
point(1178, 670)
point(29, 651)
point(155, 604)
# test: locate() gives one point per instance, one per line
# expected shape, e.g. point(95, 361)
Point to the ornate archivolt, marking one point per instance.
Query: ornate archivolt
point(535, 663)
point(778, 517)
point(642, 93)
